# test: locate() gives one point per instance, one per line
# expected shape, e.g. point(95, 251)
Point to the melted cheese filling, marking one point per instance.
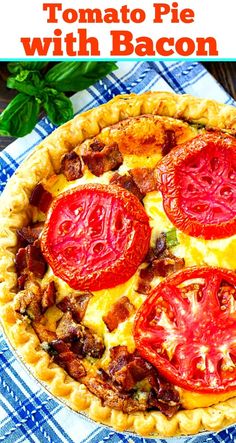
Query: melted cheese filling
point(195, 251)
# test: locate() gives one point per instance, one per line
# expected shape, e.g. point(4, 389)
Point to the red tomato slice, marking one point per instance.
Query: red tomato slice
point(95, 236)
point(198, 184)
point(187, 329)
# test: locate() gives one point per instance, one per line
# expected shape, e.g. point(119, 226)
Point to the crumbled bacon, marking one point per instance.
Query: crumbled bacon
point(161, 262)
point(111, 397)
point(100, 161)
point(28, 234)
point(166, 265)
point(49, 296)
point(145, 277)
point(84, 341)
point(93, 345)
point(71, 166)
point(169, 142)
point(28, 302)
point(117, 387)
point(163, 395)
point(35, 261)
point(126, 182)
point(30, 260)
point(57, 346)
point(76, 304)
point(144, 179)
point(67, 329)
point(154, 402)
point(43, 333)
point(20, 261)
point(97, 146)
point(143, 287)
point(65, 358)
point(127, 369)
point(74, 367)
point(40, 198)
point(118, 313)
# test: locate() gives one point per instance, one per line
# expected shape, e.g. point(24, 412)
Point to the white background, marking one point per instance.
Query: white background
point(26, 18)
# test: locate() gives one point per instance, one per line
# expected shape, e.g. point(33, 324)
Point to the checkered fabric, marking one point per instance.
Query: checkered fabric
point(27, 412)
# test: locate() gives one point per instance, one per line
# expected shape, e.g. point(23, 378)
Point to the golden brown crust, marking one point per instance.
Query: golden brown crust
point(15, 212)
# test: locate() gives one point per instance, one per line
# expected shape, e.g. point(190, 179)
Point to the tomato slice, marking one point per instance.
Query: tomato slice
point(95, 236)
point(198, 184)
point(187, 329)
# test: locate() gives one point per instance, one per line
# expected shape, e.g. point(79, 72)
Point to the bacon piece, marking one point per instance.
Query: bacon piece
point(143, 287)
point(169, 142)
point(71, 166)
point(144, 179)
point(28, 302)
point(43, 333)
point(67, 329)
point(126, 182)
point(76, 304)
point(118, 313)
point(163, 395)
point(57, 346)
point(30, 258)
point(159, 267)
point(166, 408)
point(74, 367)
point(166, 265)
point(40, 198)
point(20, 261)
point(112, 397)
point(93, 345)
point(161, 263)
point(84, 341)
point(21, 280)
point(35, 261)
point(100, 161)
point(49, 296)
point(65, 358)
point(145, 277)
point(119, 357)
point(97, 146)
point(28, 234)
point(127, 369)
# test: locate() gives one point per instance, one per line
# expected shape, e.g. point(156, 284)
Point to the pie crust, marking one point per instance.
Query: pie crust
point(15, 212)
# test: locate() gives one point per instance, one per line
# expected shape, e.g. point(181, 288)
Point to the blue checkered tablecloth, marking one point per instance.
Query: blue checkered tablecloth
point(27, 412)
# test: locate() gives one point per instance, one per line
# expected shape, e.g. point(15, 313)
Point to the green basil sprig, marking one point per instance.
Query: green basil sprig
point(57, 106)
point(75, 76)
point(20, 116)
point(18, 67)
point(45, 90)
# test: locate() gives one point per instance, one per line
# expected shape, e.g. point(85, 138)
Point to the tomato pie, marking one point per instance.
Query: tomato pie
point(118, 281)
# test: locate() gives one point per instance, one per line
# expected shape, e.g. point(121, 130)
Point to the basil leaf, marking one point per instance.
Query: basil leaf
point(20, 116)
point(171, 238)
point(29, 82)
point(17, 67)
point(3, 132)
point(75, 76)
point(24, 86)
point(57, 106)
